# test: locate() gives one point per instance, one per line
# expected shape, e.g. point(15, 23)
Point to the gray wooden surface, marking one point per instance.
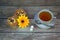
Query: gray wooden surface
point(32, 7)
point(37, 34)
point(29, 2)
point(6, 28)
point(7, 11)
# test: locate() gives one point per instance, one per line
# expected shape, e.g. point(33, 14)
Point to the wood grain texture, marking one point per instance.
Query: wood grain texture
point(30, 36)
point(37, 34)
point(29, 2)
point(32, 7)
point(6, 28)
point(7, 11)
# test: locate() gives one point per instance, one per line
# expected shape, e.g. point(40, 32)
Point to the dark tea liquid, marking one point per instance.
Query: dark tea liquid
point(45, 16)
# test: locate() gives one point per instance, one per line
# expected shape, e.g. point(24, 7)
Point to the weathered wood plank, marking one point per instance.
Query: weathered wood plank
point(7, 11)
point(21, 2)
point(29, 36)
point(29, 2)
point(52, 2)
point(5, 28)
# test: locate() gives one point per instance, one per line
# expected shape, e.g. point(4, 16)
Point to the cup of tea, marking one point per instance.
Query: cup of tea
point(45, 17)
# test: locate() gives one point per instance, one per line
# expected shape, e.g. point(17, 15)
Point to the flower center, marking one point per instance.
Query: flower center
point(22, 21)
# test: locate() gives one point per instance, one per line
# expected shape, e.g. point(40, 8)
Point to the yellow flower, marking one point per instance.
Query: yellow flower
point(23, 21)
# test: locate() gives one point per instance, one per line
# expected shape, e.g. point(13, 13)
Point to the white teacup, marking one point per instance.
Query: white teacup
point(46, 22)
point(40, 21)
